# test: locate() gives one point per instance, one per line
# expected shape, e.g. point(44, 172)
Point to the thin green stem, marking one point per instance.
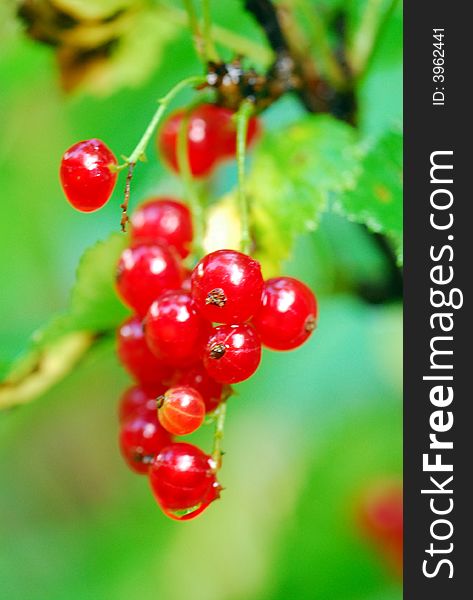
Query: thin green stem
point(193, 23)
point(235, 42)
point(242, 117)
point(139, 152)
point(319, 43)
point(192, 195)
point(368, 35)
point(210, 51)
point(218, 434)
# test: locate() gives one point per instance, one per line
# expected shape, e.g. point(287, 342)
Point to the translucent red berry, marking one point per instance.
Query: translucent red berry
point(198, 378)
point(144, 273)
point(186, 282)
point(186, 515)
point(174, 330)
point(142, 437)
point(87, 174)
point(138, 359)
point(227, 286)
point(182, 478)
point(202, 140)
point(227, 131)
point(233, 353)
point(288, 314)
point(137, 399)
point(165, 221)
point(181, 410)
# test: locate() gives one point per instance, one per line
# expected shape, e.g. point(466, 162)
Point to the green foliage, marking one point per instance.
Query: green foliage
point(94, 305)
point(376, 200)
point(293, 173)
point(299, 168)
point(94, 310)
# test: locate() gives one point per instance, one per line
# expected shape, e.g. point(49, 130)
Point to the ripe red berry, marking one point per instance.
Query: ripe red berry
point(138, 359)
point(381, 520)
point(141, 439)
point(202, 140)
point(181, 410)
point(186, 282)
point(227, 131)
point(163, 220)
point(288, 313)
point(87, 174)
point(213, 494)
point(227, 286)
point(136, 399)
point(174, 330)
point(233, 353)
point(182, 478)
point(197, 377)
point(144, 273)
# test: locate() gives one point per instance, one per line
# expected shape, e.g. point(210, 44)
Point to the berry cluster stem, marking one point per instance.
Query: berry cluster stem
point(228, 38)
point(210, 51)
point(139, 152)
point(192, 195)
point(194, 26)
point(218, 434)
point(243, 115)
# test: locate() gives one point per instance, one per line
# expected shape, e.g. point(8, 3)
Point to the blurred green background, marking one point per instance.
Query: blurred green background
point(308, 436)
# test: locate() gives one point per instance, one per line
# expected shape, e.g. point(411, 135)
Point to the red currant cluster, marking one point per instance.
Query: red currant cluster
point(190, 338)
point(192, 333)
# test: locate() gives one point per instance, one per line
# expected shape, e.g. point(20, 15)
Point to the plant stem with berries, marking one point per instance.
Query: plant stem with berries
point(192, 194)
point(243, 115)
point(217, 452)
point(209, 48)
point(140, 149)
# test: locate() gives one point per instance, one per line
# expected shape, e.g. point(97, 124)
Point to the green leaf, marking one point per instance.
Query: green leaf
point(55, 349)
point(376, 200)
point(94, 304)
point(293, 173)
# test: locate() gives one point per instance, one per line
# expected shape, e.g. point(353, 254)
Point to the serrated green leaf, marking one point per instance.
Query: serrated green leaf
point(94, 303)
point(55, 349)
point(294, 170)
point(376, 200)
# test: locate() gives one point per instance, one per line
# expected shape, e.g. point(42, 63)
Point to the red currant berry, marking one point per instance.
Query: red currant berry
point(174, 330)
point(214, 494)
point(227, 286)
point(87, 174)
point(136, 399)
point(288, 313)
point(381, 520)
point(197, 377)
point(141, 439)
point(186, 284)
point(202, 140)
point(228, 133)
point(182, 478)
point(163, 220)
point(138, 359)
point(144, 273)
point(181, 410)
point(233, 353)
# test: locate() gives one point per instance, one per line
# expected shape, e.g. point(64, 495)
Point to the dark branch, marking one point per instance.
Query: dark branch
point(266, 14)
